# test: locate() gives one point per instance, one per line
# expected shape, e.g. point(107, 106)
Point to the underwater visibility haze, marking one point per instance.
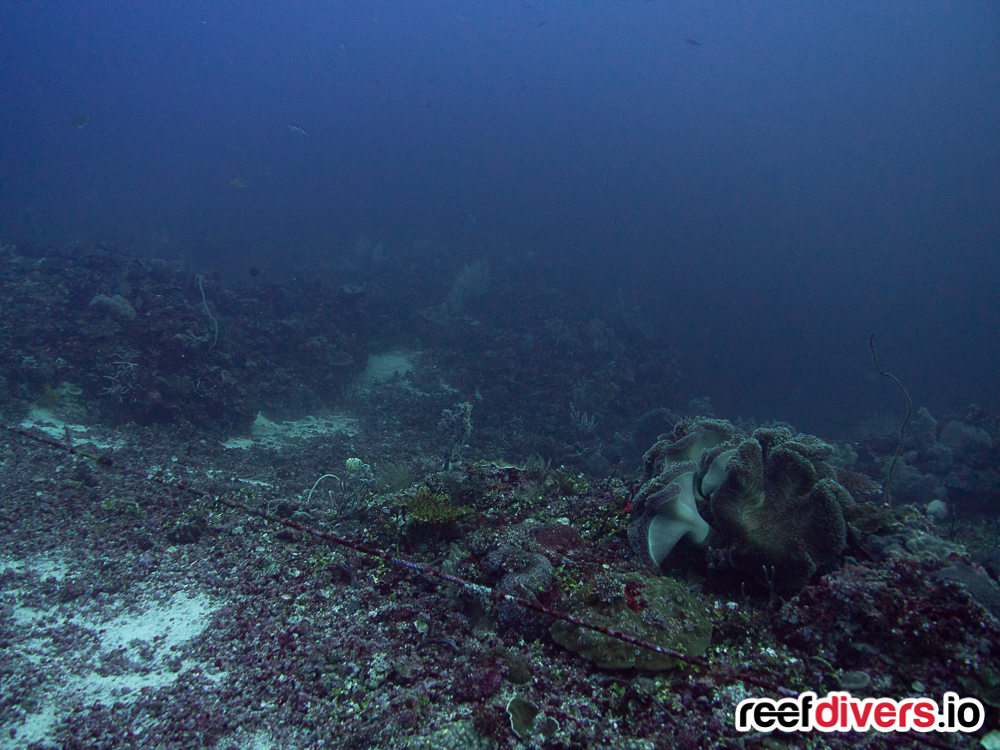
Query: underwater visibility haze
point(574, 306)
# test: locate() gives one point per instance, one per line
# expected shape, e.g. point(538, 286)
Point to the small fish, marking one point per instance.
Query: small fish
point(239, 182)
point(694, 42)
point(80, 121)
point(298, 131)
point(472, 218)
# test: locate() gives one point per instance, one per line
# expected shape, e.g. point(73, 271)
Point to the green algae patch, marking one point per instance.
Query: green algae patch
point(654, 609)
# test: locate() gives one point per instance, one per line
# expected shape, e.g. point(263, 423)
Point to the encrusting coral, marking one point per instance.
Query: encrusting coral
point(658, 610)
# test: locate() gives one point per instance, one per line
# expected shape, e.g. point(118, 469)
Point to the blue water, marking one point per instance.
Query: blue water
point(808, 174)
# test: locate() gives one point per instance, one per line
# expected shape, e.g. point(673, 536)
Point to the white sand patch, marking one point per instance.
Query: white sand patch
point(44, 566)
point(278, 435)
point(110, 660)
point(46, 421)
point(241, 443)
point(171, 624)
point(383, 368)
point(259, 740)
point(389, 367)
point(41, 568)
point(394, 368)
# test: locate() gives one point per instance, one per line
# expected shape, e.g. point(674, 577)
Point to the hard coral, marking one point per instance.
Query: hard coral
point(527, 575)
point(557, 539)
point(780, 519)
point(117, 308)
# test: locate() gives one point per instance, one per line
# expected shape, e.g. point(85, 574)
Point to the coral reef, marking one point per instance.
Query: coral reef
point(215, 349)
point(902, 625)
point(954, 461)
point(152, 597)
point(302, 644)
